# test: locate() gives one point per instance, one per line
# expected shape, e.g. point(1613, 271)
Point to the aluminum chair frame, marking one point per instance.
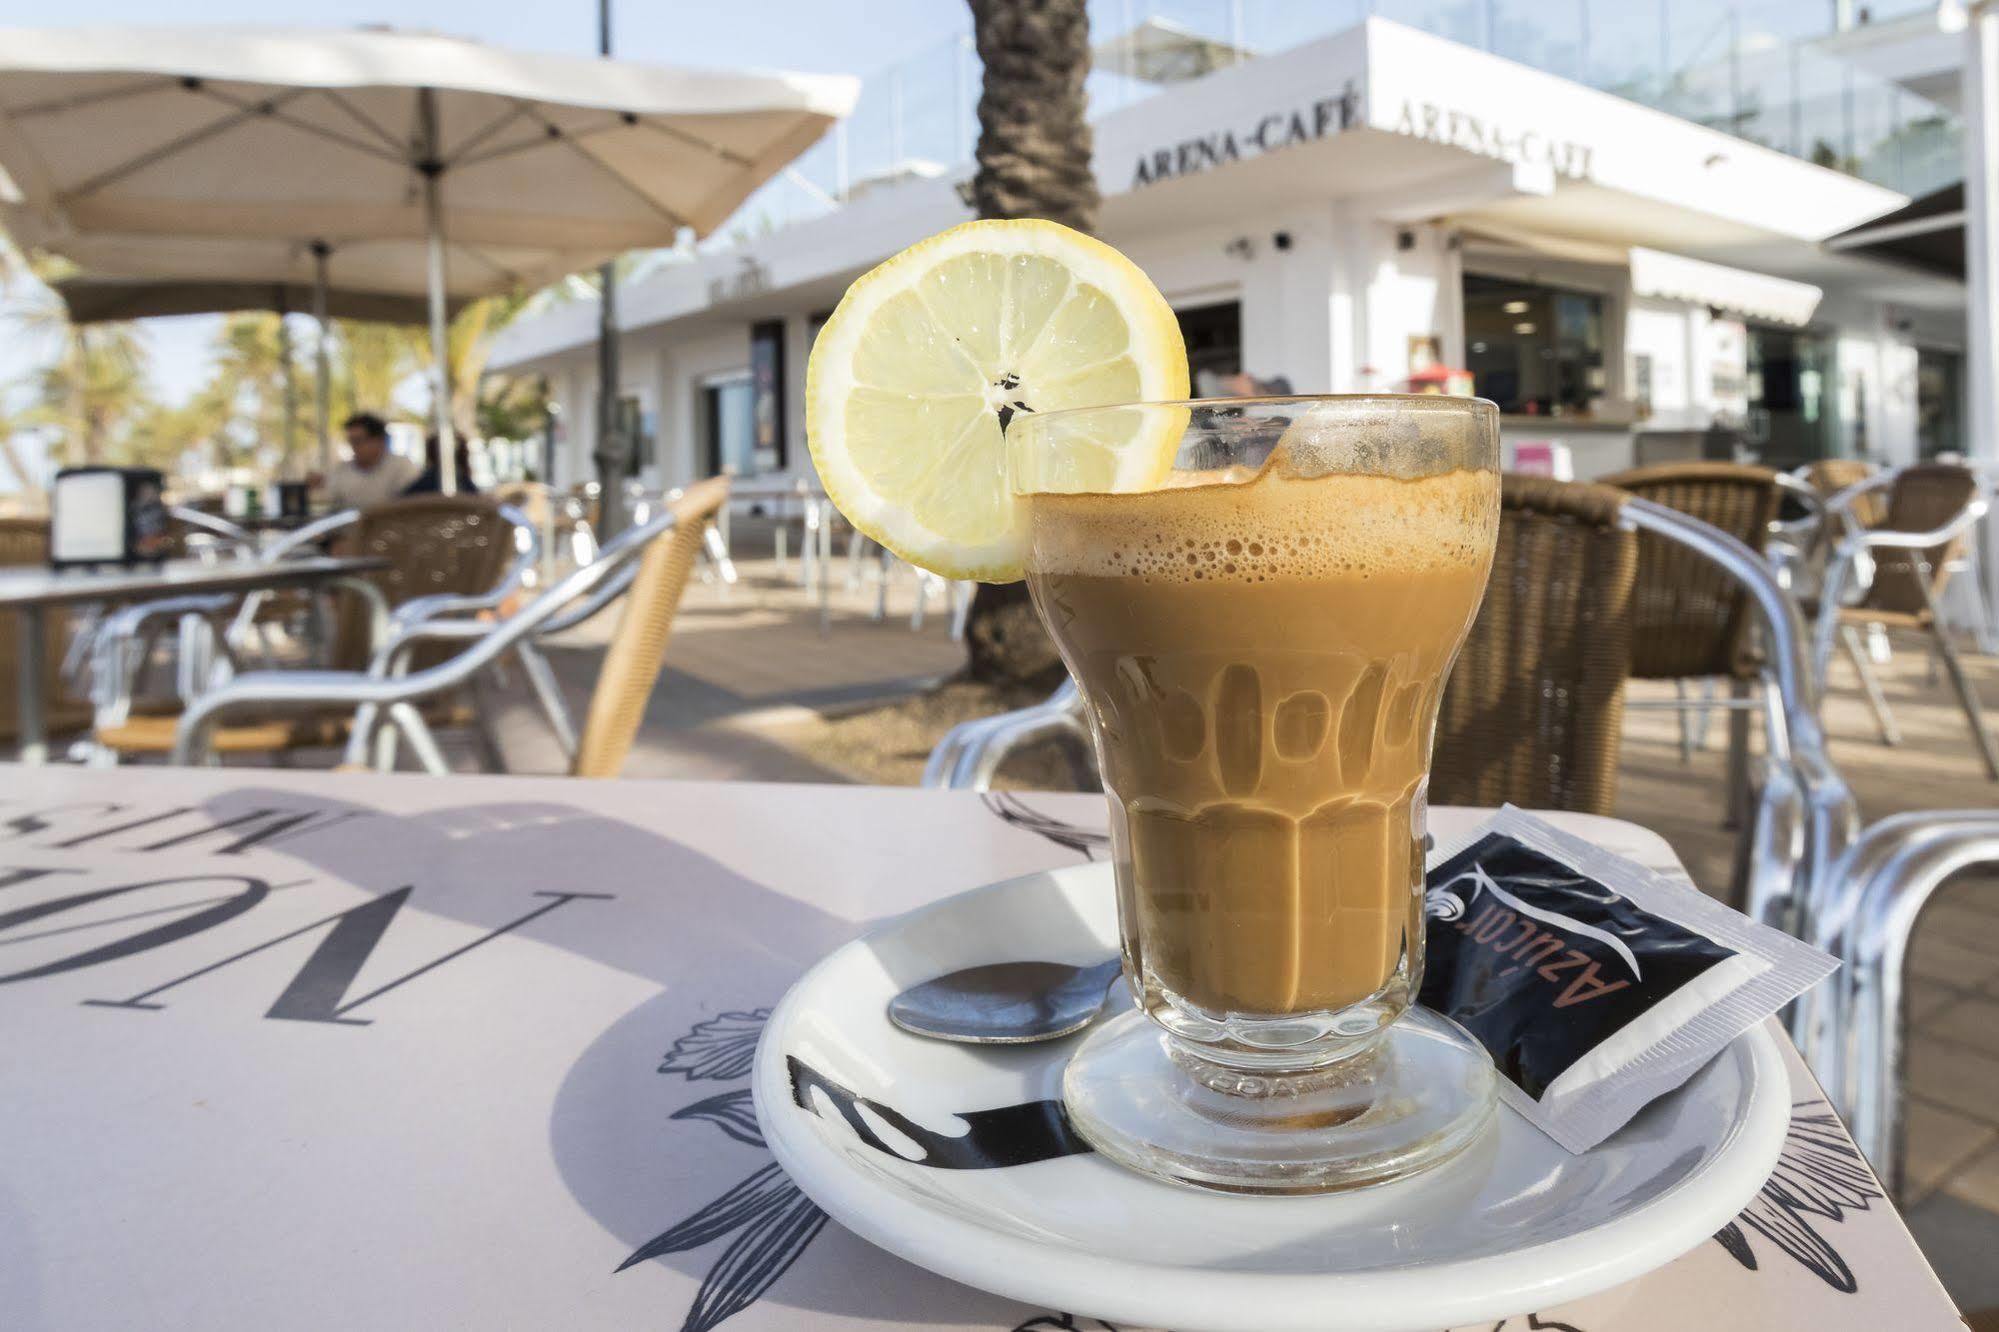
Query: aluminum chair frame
point(1843, 570)
point(121, 641)
point(391, 659)
point(1805, 816)
point(395, 696)
point(1851, 1028)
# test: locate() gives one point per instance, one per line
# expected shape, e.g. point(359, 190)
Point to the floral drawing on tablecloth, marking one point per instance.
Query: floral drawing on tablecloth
point(767, 1221)
point(1819, 1179)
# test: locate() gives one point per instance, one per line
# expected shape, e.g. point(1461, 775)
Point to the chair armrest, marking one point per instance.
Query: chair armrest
point(310, 534)
point(110, 658)
point(971, 752)
point(238, 537)
point(1841, 501)
point(1873, 537)
point(527, 559)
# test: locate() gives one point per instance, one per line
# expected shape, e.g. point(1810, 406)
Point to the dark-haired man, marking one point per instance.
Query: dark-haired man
point(373, 475)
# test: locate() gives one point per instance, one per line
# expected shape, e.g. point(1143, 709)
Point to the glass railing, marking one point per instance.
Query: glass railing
point(1752, 68)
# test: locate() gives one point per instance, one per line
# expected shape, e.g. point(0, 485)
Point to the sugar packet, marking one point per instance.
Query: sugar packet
point(1597, 985)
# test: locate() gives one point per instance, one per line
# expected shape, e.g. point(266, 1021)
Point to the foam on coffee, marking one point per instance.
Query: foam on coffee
point(1212, 527)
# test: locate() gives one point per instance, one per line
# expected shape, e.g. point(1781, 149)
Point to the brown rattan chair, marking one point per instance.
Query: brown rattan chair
point(1928, 514)
point(638, 649)
point(664, 550)
point(1534, 710)
point(453, 545)
point(1690, 617)
point(25, 541)
point(1829, 476)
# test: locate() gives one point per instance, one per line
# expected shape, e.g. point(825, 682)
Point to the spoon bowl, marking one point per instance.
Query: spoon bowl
point(1006, 1003)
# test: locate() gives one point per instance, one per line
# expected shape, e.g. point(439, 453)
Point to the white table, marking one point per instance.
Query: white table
point(363, 1051)
point(31, 591)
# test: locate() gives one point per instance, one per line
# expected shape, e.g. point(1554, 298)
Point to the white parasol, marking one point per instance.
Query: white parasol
point(385, 154)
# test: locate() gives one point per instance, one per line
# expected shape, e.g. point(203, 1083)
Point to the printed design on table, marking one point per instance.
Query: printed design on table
point(1820, 1179)
point(767, 1220)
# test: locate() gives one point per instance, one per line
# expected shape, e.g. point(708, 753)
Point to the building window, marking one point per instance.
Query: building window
point(767, 382)
point(728, 420)
point(1534, 350)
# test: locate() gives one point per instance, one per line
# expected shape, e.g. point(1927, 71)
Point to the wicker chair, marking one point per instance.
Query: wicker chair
point(1690, 618)
point(638, 650)
point(26, 541)
point(1830, 476)
point(1535, 705)
point(655, 573)
point(436, 545)
point(1929, 512)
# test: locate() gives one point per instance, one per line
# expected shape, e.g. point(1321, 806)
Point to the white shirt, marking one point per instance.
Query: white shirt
point(348, 487)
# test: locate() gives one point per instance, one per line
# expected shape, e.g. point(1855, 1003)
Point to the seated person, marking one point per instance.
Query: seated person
point(430, 480)
point(373, 475)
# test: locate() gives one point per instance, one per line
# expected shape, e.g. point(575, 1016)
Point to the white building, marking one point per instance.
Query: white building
point(1345, 212)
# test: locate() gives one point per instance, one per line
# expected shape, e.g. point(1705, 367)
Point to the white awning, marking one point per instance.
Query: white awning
point(1678, 278)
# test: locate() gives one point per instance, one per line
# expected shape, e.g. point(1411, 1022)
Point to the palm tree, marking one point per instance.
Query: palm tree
point(92, 385)
point(371, 361)
point(1033, 161)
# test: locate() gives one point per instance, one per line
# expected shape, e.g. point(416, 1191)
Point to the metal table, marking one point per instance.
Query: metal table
point(30, 592)
point(352, 1050)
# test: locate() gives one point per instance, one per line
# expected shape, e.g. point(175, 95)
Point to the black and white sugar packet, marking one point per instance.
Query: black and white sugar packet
point(1597, 985)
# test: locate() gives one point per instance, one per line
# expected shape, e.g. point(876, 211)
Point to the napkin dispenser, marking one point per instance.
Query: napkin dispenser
point(107, 515)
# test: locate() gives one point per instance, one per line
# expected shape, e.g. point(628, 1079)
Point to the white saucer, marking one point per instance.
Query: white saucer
point(1514, 1224)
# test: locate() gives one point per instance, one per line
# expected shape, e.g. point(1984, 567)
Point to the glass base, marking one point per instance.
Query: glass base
point(1409, 1099)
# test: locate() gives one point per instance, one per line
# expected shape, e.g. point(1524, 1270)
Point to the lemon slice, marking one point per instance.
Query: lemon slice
point(927, 357)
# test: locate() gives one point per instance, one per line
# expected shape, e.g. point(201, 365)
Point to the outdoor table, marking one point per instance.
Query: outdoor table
point(354, 1050)
point(31, 591)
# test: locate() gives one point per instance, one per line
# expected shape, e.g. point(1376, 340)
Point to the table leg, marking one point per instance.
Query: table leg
point(34, 743)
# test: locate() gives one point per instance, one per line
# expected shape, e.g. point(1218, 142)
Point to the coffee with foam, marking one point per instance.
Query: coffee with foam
point(1264, 658)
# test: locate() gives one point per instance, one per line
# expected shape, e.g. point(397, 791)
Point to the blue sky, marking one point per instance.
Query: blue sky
point(820, 36)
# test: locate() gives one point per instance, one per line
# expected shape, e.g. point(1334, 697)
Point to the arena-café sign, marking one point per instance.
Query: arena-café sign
point(1489, 138)
point(1332, 115)
point(1279, 129)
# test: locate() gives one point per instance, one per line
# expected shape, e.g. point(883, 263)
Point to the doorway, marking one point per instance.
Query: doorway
point(1939, 401)
point(1213, 334)
point(729, 426)
point(1790, 399)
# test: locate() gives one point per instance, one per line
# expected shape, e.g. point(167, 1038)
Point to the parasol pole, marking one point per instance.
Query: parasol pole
point(432, 170)
point(322, 353)
point(290, 432)
point(613, 449)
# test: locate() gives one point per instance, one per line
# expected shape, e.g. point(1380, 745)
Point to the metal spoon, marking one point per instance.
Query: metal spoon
point(1005, 1003)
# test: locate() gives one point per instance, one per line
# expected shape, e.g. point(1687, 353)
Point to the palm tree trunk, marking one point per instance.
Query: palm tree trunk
point(1033, 161)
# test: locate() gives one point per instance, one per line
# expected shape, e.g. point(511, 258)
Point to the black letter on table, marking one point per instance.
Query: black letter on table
point(318, 992)
point(252, 892)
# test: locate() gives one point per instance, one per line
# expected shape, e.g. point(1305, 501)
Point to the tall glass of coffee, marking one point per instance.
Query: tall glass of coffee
point(1261, 636)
